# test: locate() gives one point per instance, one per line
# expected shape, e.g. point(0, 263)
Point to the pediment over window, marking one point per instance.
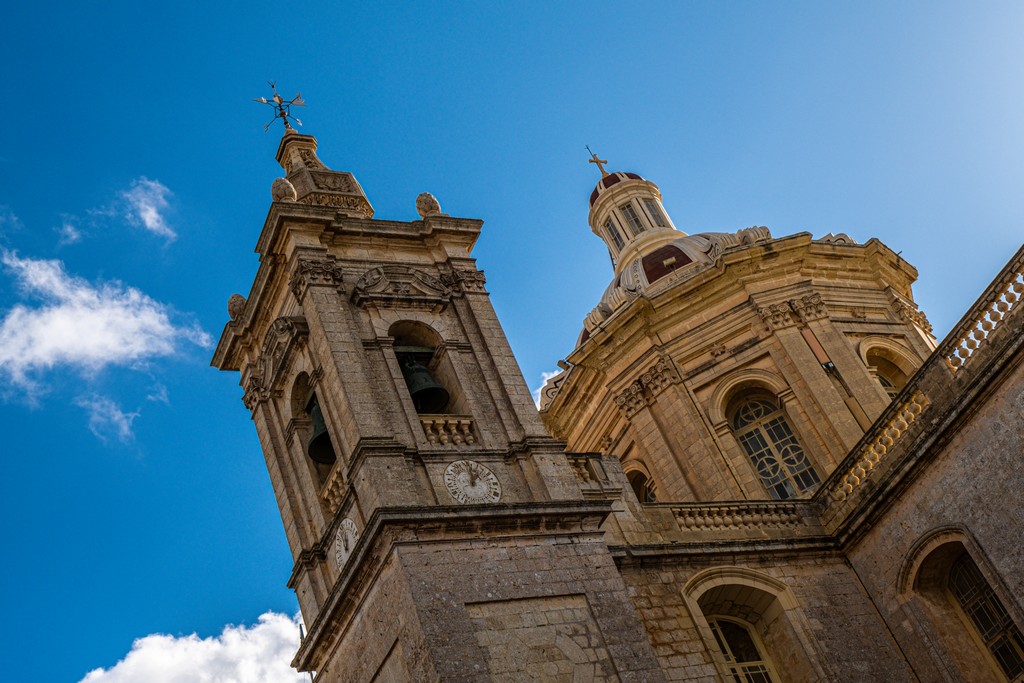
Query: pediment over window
point(400, 287)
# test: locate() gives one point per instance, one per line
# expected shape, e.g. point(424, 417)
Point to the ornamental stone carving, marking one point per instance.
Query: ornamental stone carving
point(809, 307)
point(333, 181)
point(401, 287)
point(631, 399)
point(315, 273)
point(285, 335)
point(776, 316)
point(798, 311)
point(236, 306)
point(465, 280)
point(256, 393)
point(908, 311)
point(283, 191)
point(659, 377)
point(427, 205)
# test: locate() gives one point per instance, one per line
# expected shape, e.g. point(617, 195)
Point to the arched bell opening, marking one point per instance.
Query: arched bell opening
point(427, 369)
point(311, 429)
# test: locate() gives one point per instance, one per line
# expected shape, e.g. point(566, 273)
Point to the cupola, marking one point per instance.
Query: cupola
point(626, 212)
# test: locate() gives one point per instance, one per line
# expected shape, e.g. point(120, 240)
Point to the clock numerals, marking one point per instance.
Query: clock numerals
point(345, 541)
point(470, 483)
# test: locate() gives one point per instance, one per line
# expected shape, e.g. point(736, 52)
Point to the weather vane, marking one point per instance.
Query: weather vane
point(282, 107)
point(595, 160)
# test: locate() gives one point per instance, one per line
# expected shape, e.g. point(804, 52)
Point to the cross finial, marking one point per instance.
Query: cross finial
point(282, 107)
point(599, 162)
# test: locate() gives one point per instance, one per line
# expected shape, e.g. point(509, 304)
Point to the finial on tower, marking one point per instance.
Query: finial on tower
point(599, 162)
point(282, 107)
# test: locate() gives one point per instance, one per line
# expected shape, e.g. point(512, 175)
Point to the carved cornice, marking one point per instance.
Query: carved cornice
point(905, 309)
point(465, 280)
point(315, 273)
point(398, 286)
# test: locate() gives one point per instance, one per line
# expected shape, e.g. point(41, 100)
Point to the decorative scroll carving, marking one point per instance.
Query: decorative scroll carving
point(906, 310)
point(871, 455)
point(467, 280)
point(1002, 299)
point(283, 337)
point(777, 316)
point(793, 312)
point(256, 393)
point(643, 390)
point(551, 388)
point(401, 287)
point(448, 429)
point(631, 399)
point(738, 516)
point(339, 201)
point(659, 377)
point(315, 273)
point(333, 181)
point(809, 307)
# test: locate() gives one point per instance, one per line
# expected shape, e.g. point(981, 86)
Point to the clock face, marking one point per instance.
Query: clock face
point(470, 482)
point(346, 539)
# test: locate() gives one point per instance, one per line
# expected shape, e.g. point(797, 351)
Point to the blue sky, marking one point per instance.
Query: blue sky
point(135, 177)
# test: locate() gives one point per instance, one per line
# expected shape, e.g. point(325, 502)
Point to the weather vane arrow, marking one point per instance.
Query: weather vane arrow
point(282, 107)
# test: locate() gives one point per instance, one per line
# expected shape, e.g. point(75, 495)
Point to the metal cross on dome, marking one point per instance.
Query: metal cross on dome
point(282, 107)
point(599, 162)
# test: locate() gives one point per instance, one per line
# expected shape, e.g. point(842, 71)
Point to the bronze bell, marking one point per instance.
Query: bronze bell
point(319, 447)
point(427, 395)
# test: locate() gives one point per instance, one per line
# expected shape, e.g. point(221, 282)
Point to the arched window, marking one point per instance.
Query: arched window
point(760, 426)
point(744, 659)
point(986, 613)
point(889, 375)
point(642, 485)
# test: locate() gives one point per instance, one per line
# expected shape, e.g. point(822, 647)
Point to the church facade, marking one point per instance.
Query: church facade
point(757, 464)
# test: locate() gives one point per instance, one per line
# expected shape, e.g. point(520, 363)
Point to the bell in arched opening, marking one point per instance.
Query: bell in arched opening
point(427, 395)
point(319, 447)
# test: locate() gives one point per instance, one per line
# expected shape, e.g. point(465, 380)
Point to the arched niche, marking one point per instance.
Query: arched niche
point(640, 481)
point(300, 396)
point(761, 602)
point(418, 345)
point(928, 586)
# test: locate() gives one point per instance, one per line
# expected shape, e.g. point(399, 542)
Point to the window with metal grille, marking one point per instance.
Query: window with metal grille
point(888, 385)
point(761, 428)
point(642, 486)
point(985, 611)
point(613, 232)
point(633, 220)
point(657, 215)
point(743, 657)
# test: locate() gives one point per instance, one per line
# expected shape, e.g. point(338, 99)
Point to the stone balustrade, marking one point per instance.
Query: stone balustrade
point(448, 429)
point(334, 489)
point(739, 516)
point(998, 301)
point(871, 454)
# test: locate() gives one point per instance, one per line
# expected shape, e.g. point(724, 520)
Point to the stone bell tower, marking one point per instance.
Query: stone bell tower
point(426, 507)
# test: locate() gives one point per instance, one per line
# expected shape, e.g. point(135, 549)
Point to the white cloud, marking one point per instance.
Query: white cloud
point(106, 419)
point(69, 234)
point(544, 377)
point(9, 221)
point(159, 394)
point(146, 203)
point(260, 653)
point(82, 325)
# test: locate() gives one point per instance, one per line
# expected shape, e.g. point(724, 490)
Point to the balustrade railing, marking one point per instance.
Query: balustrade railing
point(448, 429)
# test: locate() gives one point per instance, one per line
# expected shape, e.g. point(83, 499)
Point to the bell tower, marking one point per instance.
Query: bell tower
point(425, 504)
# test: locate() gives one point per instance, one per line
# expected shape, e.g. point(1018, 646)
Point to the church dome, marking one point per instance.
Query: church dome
point(609, 180)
